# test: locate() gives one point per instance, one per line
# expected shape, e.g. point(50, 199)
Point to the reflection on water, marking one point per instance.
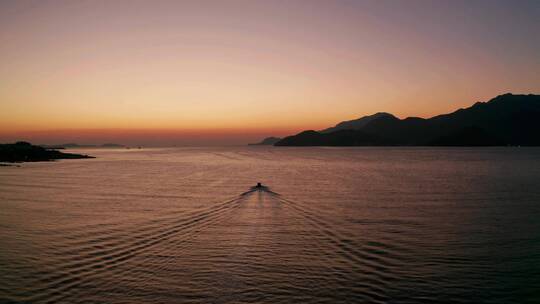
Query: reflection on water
point(368, 225)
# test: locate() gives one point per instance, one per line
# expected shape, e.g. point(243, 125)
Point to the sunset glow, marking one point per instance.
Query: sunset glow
point(166, 72)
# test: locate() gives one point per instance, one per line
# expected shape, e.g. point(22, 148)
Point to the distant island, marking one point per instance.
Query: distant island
point(74, 146)
point(26, 152)
point(267, 141)
point(506, 120)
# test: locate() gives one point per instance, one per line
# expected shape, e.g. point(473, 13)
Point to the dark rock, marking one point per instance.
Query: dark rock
point(26, 152)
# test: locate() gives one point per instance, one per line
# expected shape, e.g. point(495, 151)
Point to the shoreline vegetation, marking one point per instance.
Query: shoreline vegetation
point(26, 152)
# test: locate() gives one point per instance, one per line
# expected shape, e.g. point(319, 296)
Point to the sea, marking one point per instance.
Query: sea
point(329, 225)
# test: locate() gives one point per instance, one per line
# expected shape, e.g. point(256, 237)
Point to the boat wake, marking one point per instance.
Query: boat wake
point(252, 237)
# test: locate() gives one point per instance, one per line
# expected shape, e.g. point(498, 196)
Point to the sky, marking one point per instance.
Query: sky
point(230, 72)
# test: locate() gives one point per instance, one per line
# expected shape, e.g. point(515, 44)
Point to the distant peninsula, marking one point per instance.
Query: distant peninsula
point(267, 141)
point(26, 152)
point(506, 120)
point(74, 146)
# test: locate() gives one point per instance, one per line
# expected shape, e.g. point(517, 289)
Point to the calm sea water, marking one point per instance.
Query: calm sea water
point(338, 225)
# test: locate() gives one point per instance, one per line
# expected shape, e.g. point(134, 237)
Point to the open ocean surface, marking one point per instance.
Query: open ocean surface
point(340, 225)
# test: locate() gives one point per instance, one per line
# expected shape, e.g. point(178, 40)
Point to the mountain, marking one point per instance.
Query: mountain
point(25, 152)
point(267, 141)
point(337, 138)
point(504, 120)
point(469, 136)
point(356, 124)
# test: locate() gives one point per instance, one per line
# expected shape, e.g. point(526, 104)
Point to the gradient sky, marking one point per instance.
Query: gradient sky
point(215, 72)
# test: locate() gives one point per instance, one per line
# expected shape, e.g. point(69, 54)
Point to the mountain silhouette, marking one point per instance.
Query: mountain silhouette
point(337, 138)
point(356, 124)
point(504, 120)
point(267, 141)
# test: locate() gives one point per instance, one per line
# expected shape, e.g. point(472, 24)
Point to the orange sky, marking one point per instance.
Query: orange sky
point(213, 72)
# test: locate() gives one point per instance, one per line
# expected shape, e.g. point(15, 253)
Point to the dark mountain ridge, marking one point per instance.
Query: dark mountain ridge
point(337, 138)
point(504, 120)
point(356, 124)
